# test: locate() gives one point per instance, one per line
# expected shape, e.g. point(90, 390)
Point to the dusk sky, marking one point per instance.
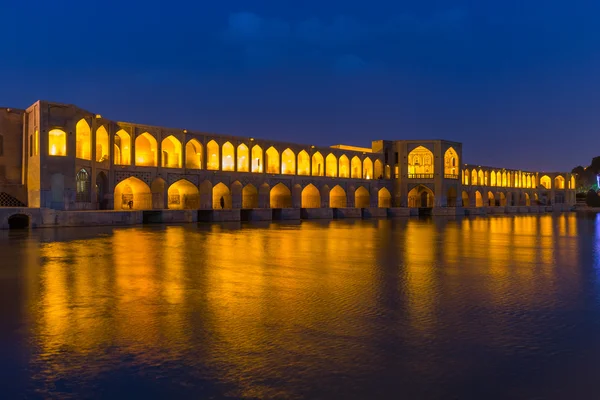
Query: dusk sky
point(516, 81)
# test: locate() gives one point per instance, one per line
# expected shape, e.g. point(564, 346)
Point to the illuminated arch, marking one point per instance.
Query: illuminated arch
point(451, 163)
point(318, 164)
point(311, 198)
point(344, 169)
point(57, 142)
point(384, 198)
point(193, 154)
point(504, 182)
point(331, 165)
point(466, 176)
point(485, 178)
point(102, 144)
point(356, 167)
point(221, 192)
point(146, 153)
point(478, 199)
point(528, 181)
point(337, 197)
point(527, 199)
point(122, 148)
point(572, 183)
point(465, 199)
point(171, 152)
point(421, 196)
point(288, 162)
point(367, 168)
point(546, 182)
point(183, 195)
point(303, 163)
point(559, 182)
point(493, 178)
point(272, 161)
point(533, 181)
point(491, 199)
point(227, 157)
point(280, 196)
point(83, 140)
point(133, 194)
point(480, 179)
point(378, 173)
point(501, 199)
point(388, 172)
point(257, 159)
point(212, 156)
point(362, 198)
point(474, 181)
point(420, 162)
point(243, 158)
point(249, 196)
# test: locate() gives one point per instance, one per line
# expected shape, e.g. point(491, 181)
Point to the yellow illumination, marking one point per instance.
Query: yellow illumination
point(146, 153)
point(344, 166)
point(288, 159)
point(242, 158)
point(272, 161)
point(318, 164)
point(57, 142)
point(257, 159)
point(193, 154)
point(228, 157)
point(212, 150)
point(420, 161)
point(171, 152)
point(451, 162)
point(303, 163)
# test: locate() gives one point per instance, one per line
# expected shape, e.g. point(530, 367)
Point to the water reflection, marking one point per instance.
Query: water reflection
point(299, 310)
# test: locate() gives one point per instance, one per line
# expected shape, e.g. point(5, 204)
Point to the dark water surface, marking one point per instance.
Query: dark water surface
point(499, 307)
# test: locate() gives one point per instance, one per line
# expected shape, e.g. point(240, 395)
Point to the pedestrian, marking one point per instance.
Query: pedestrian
point(222, 202)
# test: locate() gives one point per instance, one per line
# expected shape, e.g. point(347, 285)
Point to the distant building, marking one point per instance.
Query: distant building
point(61, 157)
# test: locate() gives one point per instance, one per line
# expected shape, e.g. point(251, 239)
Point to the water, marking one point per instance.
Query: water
point(485, 308)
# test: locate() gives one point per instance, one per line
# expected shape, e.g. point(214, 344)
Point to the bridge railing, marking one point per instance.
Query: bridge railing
point(420, 176)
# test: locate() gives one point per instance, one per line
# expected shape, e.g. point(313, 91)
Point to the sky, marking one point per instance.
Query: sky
point(515, 81)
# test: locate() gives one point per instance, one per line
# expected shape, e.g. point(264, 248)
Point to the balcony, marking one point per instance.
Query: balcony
point(450, 176)
point(420, 176)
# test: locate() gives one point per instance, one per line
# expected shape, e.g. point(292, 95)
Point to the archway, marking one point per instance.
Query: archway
point(122, 148)
point(193, 154)
point(356, 167)
point(183, 195)
point(272, 161)
point(303, 163)
point(480, 178)
point(527, 199)
point(474, 180)
point(228, 157)
point(491, 199)
point(546, 182)
point(388, 172)
point(451, 197)
point(478, 199)
point(102, 190)
point(331, 165)
point(501, 199)
point(221, 197)
point(337, 197)
point(257, 159)
point(102, 145)
point(465, 199)
point(249, 196)
point(18, 221)
point(132, 194)
point(559, 182)
point(280, 196)
point(288, 162)
point(171, 152)
point(384, 198)
point(492, 178)
point(57, 142)
point(362, 198)
point(451, 163)
point(378, 173)
point(311, 198)
point(367, 168)
point(421, 196)
point(83, 187)
point(243, 158)
point(420, 163)
point(318, 165)
point(146, 154)
point(344, 167)
point(83, 140)
point(212, 156)
point(206, 195)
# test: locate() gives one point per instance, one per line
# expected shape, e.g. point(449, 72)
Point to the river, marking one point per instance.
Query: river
point(483, 308)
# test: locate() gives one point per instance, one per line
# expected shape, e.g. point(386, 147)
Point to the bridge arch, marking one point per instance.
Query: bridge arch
point(132, 194)
point(384, 198)
point(362, 198)
point(221, 192)
point(288, 162)
point(193, 154)
point(146, 150)
point(257, 159)
point(546, 182)
point(451, 162)
point(331, 165)
point(280, 196)
point(122, 148)
point(249, 196)
point(171, 152)
point(318, 164)
point(102, 144)
point(243, 158)
point(311, 198)
point(303, 163)
point(183, 195)
point(466, 201)
point(272, 161)
point(421, 196)
point(420, 161)
point(337, 197)
point(83, 140)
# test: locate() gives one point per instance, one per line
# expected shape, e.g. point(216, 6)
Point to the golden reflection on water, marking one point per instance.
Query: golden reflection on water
point(252, 302)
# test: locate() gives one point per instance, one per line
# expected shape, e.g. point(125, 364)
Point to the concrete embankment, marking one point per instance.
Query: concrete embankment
point(23, 217)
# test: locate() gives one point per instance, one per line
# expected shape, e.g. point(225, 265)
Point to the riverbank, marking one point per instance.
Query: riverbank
point(23, 217)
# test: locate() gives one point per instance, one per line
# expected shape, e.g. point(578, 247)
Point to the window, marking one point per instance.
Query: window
point(57, 142)
point(83, 186)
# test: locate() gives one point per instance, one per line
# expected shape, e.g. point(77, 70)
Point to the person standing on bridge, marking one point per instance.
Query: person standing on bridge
point(222, 201)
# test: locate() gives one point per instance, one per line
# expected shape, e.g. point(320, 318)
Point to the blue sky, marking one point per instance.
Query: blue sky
point(515, 81)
